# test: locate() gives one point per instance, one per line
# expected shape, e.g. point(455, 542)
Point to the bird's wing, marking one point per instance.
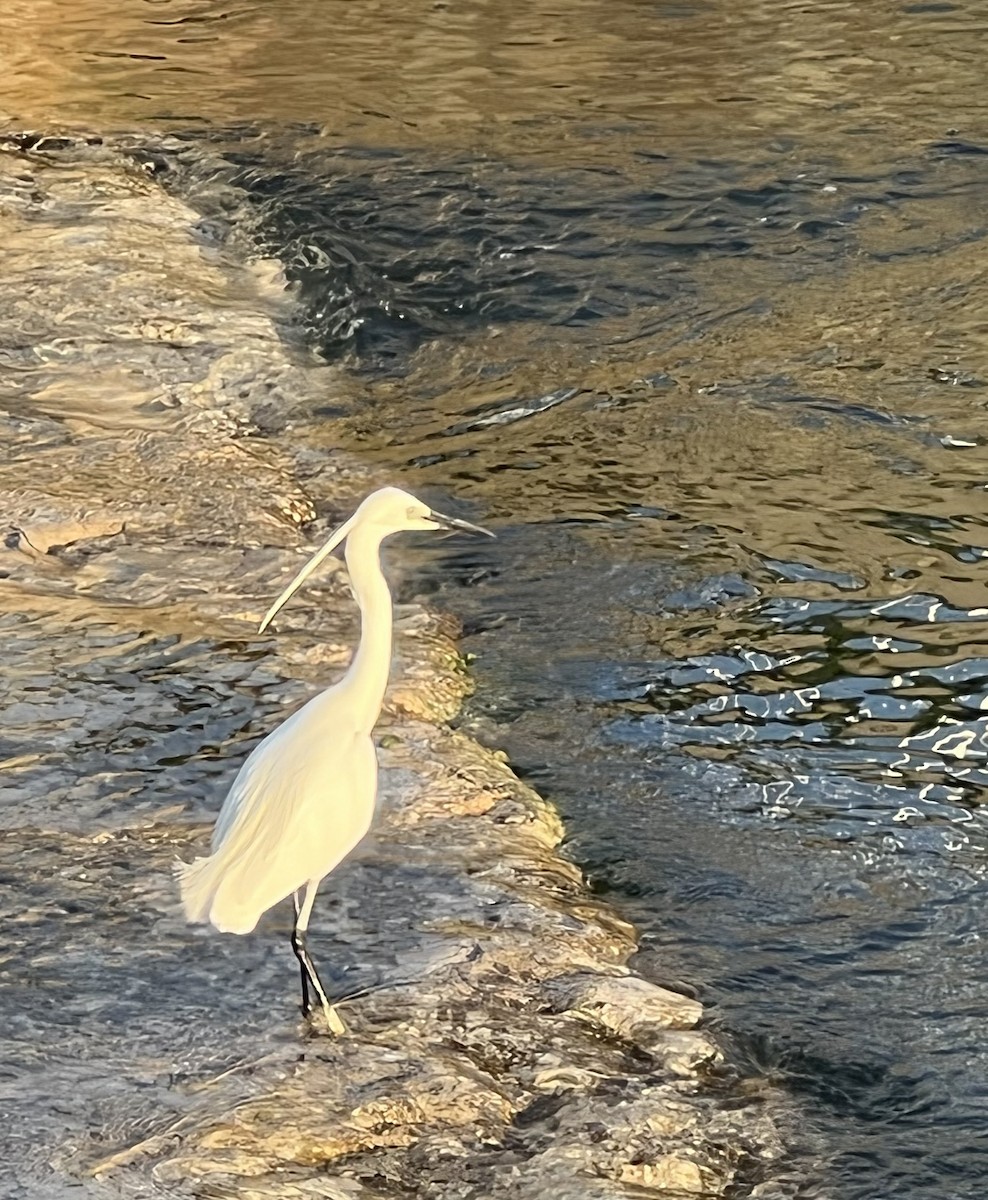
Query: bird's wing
point(298, 807)
point(276, 770)
point(261, 793)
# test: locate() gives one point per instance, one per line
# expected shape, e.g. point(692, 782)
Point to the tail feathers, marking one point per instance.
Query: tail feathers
point(196, 885)
point(209, 897)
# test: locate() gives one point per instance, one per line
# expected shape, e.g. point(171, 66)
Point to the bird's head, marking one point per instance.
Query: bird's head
point(392, 510)
point(386, 511)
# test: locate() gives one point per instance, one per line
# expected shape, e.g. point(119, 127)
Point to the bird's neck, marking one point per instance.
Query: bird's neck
point(367, 677)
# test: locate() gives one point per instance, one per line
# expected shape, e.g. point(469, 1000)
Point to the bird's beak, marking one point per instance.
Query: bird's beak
point(454, 524)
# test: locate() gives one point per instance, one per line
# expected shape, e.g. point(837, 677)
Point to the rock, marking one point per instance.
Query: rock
point(670, 1173)
point(42, 537)
point(627, 1005)
point(497, 1045)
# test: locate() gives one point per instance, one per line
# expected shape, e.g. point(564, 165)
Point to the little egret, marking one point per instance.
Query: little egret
point(306, 794)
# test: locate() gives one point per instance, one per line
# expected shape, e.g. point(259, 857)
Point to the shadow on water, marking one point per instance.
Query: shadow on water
point(387, 251)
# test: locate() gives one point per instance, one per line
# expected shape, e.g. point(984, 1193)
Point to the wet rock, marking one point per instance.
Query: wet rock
point(628, 1005)
point(42, 537)
point(670, 1173)
point(497, 1045)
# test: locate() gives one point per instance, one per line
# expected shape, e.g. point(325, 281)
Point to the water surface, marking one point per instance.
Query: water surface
point(688, 298)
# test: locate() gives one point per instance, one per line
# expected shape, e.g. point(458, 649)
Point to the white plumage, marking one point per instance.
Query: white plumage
point(263, 851)
point(305, 796)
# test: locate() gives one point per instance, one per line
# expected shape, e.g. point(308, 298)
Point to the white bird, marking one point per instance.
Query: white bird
point(305, 796)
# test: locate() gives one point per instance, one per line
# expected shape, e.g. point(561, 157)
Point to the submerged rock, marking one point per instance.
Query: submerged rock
point(497, 1043)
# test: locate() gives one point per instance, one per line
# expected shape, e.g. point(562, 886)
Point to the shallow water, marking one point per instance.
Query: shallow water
point(687, 299)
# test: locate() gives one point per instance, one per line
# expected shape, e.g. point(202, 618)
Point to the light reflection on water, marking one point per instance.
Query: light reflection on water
point(491, 72)
point(689, 297)
point(736, 627)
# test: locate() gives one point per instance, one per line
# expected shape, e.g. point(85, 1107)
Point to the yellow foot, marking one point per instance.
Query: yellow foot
point(334, 1022)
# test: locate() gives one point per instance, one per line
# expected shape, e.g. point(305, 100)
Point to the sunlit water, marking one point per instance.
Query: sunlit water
point(689, 299)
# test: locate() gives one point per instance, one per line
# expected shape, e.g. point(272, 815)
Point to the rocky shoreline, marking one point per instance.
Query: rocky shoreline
point(153, 497)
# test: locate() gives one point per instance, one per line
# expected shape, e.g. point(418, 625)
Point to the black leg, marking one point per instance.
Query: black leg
point(298, 946)
point(310, 976)
point(300, 953)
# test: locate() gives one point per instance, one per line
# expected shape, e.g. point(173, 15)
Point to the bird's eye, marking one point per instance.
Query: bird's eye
point(411, 513)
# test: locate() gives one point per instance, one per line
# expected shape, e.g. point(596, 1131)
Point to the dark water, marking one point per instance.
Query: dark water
point(689, 300)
